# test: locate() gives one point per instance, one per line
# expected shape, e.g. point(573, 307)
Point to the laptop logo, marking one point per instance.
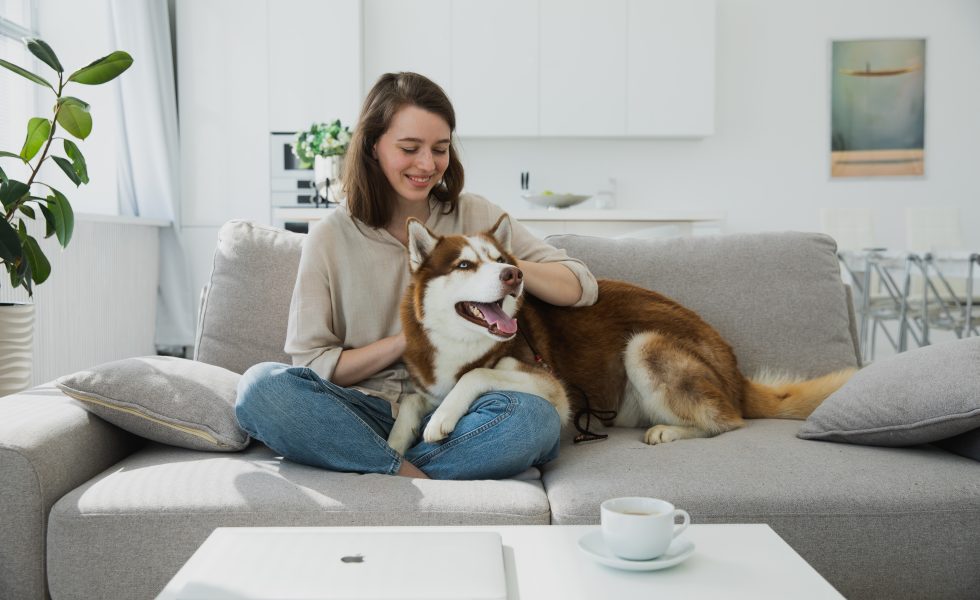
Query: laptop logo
point(357, 558)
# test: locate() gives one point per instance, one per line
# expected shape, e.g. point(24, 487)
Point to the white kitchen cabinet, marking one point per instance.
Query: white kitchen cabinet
point(495, 67)
point(670, 68)
point(407, 36)
point(583, 67)
point(555, 68)
point(314, 62)
point(222, 83)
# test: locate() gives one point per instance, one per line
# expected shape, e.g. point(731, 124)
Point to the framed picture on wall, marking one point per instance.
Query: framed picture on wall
point(877, 114)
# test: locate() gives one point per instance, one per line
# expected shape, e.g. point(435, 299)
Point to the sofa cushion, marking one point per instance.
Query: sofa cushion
point(920, 396)
point(776, 297)
point(141, 520)
point(246, 305)
point(910, 516)
point(163, 398)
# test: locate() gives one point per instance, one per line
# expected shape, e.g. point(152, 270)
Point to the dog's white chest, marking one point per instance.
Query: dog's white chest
point(448, 363)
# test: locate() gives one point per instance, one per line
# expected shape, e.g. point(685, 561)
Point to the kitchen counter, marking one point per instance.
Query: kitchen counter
point(620, 222)
point(598, 222)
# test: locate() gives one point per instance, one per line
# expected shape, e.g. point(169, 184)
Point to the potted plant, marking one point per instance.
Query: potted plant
point(323, 147)
point(20, 253)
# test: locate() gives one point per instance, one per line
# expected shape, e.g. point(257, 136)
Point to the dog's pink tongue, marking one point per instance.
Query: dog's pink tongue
point(495, 315)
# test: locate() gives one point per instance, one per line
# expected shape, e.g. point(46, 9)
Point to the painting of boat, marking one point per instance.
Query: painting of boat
point(878, 108)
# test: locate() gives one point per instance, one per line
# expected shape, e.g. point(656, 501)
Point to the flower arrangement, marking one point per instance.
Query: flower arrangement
point(321, 139)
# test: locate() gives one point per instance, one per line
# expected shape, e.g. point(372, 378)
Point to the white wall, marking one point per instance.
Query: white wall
point(767, 166)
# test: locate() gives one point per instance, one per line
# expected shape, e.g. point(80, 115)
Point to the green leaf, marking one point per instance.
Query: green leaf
point(3, 176)
point(77, 160)
point(64, 217)
point(24, 265)
point(66, 166)
point(73, 115)
point(20, 273)
point(49, 220)
point(14, 279)
point(25, 73)
point(12, 191)
point(104, 69)
point(11, 155)
point(38, 130)
point(43, 51)
point(10, 248)
point(24, 277)
point(38, 263)
point(27, 210)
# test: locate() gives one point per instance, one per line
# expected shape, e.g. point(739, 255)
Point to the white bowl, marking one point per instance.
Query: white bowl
point(555, 200)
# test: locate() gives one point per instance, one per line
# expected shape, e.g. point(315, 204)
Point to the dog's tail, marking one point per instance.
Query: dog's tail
point(780, 397)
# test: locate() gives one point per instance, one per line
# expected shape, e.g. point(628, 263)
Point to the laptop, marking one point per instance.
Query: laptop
point(319, 564)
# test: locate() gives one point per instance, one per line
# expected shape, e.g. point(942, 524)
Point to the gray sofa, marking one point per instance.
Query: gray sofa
point(90, 511)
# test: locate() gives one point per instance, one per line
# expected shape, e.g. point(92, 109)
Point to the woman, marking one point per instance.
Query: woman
point(335, 407)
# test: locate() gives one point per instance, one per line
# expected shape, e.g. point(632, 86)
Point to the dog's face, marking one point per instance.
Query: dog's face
point(465, 287)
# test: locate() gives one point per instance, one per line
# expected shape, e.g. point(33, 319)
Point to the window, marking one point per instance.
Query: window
point(17, 95)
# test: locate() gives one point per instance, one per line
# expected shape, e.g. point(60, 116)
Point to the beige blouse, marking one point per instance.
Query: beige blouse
point(351, 279)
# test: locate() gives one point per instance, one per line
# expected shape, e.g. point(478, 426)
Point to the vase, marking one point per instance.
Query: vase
point(327, 174)
point(336, 194)
point(321, 177)
point(16, 347)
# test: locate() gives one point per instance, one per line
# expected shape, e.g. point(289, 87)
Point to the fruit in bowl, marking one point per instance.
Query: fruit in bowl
point(550, 199)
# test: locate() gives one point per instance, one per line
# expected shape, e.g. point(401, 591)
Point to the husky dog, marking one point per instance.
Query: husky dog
point(654, 362)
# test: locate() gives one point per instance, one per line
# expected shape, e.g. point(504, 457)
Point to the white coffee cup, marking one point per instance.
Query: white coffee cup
point(640, 528)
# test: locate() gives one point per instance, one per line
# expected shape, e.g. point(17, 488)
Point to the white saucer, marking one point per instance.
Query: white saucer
point(594, 547)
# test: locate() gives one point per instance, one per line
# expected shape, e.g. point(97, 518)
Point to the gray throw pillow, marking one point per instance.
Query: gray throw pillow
point(170, 400)
point(921, 396)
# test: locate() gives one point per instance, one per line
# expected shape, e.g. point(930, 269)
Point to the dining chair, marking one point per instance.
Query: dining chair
point(948, 294)
point(882, 284)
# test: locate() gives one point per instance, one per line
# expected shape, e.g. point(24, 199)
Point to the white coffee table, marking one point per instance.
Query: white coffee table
point(730, 561)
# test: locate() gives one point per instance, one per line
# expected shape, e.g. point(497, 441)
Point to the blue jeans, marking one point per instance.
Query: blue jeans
point(312, 421)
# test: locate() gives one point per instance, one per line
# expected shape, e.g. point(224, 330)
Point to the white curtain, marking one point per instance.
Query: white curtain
point(149, 180)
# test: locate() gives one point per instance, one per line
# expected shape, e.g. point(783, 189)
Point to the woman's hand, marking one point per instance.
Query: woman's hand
point(552, 282)
point(357, 364)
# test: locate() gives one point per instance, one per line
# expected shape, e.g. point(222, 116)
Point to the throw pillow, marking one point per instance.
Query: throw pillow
point(916, 397)
point(166, 399)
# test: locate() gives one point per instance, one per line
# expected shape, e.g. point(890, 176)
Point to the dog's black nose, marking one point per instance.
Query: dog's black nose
point(511, 276)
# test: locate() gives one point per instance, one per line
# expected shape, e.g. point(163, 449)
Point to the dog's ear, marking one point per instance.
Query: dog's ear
point(502, 232)
point(421, 241)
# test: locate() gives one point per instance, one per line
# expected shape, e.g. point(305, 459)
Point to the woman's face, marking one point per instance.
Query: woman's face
point(414, 152)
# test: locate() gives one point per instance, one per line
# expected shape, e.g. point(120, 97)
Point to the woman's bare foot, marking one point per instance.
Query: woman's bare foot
point(409, 470)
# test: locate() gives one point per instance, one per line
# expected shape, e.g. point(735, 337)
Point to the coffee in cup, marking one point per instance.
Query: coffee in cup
point(639, 528)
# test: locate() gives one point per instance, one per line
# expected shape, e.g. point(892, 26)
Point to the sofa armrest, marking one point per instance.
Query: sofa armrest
point(49, 445)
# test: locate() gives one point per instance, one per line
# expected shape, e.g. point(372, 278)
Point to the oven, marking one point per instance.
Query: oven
point(290, 180)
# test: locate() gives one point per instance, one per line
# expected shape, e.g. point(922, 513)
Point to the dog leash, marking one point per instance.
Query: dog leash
point(585, 433)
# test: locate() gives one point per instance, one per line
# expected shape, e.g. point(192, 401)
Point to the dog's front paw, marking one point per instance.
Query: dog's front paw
point(400, 441)
point(440, 425)
point(661, 434)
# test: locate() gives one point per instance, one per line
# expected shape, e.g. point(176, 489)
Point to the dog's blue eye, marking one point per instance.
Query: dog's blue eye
point(464, 264)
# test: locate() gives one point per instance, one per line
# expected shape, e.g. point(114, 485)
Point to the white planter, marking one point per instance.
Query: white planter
point(16, 347)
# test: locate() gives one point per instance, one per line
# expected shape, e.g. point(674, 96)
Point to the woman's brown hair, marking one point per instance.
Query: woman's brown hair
point(368, 192)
